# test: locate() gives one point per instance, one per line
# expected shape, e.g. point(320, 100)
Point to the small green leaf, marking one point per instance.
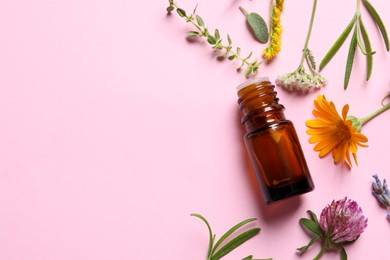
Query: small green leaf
point(339, 42)
point(311, 225)
point(249, 257)
point(229, 40)
point(231, 231)
point(181, 12)
point(367, 44)
point(211, 39)
point(258, 26)
point(351, 57)
point(375, 16)
point(199, 20)
point(193, 33)
point(313, 216)
point(310, 59)
point(211, 236)
point(312, 241)
point(248, 71)
point(231, 57)
point(248, 57)
point(217, 35)
point(344, 254)
point(238, 51)
point(170, 8)
point(235, 242)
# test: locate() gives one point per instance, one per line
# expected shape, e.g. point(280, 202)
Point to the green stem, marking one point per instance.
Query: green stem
point(323, 250)
point(376, 113)
point(243, 10)
point(271, 14)
point(309, 32)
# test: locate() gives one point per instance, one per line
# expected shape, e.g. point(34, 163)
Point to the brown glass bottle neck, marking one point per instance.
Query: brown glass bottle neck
point(259, 105)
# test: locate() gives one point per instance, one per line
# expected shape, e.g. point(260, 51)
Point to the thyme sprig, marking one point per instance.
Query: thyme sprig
point(216, 250)
point(215, 40)
point(360, 39)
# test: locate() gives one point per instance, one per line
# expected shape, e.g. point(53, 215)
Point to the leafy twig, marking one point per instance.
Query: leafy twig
point(215, 40)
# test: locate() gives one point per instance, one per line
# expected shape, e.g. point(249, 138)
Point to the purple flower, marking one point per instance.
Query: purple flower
point(342, 221)
point(381, 192)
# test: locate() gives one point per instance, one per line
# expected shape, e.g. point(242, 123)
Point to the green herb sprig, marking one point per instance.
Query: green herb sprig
point(215, 40)
point(360, 38)
point(216, 251)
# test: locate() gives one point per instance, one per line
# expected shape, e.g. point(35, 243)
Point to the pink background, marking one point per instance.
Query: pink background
point(114, 128)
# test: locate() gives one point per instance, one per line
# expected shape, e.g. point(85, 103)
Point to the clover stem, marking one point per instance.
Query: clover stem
point(309, 32)
point(376, 113)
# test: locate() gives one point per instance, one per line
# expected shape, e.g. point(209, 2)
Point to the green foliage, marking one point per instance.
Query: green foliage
point(216, 251)
point(215, 40)
point(360, 38)
point(258, 25)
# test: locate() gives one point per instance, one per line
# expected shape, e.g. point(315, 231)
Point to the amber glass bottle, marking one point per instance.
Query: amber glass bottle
point(272, 143)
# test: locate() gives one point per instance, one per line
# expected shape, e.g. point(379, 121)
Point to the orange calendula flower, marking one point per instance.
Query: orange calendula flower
point(334, 133)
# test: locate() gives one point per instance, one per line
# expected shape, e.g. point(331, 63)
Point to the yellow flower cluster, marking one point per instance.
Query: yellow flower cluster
point(276, 31)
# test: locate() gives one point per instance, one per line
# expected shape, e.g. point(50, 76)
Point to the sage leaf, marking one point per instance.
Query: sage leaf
point(367, 44)
point(258, 25)
point(311, 225)
point(339, 42)
point(212, 237)
point(235, 242)
point(231, 231)
point(312, 241)
point(375, 16)
point(344, 254)
point(351, 57)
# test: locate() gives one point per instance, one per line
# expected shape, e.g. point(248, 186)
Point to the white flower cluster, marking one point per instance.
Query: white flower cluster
point(299, 80)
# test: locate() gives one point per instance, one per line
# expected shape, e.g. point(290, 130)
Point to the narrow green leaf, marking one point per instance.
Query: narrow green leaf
point(211, 39)
point(313, 216)
point(248, 57)
point(375, 16)
point(199, 20)
point(170, 8)
point(344, 254)
point(367, 44)
point(312, 241)
point(249, 257)
point(339, 42)
point(258, 26)
point(193, 33)
point(229, 40)
point(231, 57)
point(310, 59)
point(351, 57)
point(235, 242)
point(217, 34)
point(360, 43)
point(181, 12)
point(311, 225)
point(211, 236)
point(238, 51)
point(231, 231)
